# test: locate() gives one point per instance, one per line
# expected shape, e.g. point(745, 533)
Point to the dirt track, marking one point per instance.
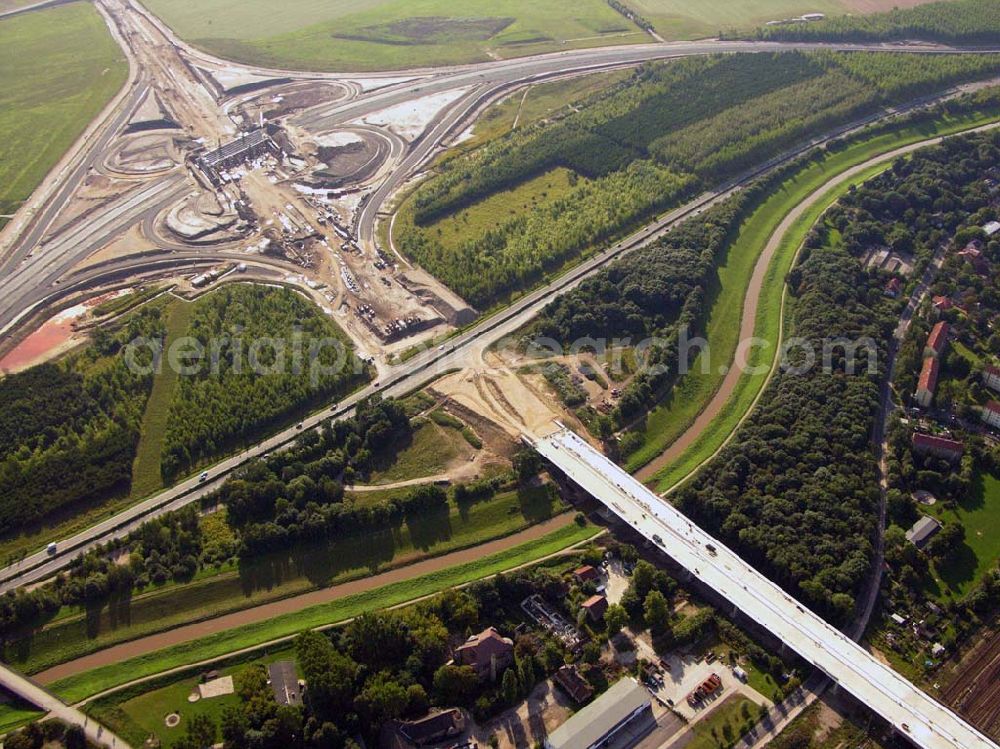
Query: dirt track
point(749, 314)
point(143, 645)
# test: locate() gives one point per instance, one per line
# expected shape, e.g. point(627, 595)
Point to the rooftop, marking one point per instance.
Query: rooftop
point(922, 530)
point(588, 726)
point(939, 444)
point(938, 337)
point(929, 374)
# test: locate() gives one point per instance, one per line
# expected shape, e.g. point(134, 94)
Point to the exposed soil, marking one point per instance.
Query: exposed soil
point(143, 645)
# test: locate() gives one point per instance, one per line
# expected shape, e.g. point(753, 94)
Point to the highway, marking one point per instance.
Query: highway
point(462, 350)
point(912, 712)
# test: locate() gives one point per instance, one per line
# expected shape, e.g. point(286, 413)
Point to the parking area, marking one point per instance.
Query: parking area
point(678, 675)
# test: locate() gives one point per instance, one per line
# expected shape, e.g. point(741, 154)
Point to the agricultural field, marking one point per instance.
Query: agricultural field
point(679, 19)
point(387, 34)
point(60, 67)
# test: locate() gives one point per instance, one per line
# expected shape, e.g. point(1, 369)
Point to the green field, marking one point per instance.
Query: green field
point(75, 632)
point(475, 221)
point(979, 512)
point(682, 19)
point(59, 68)
point(146, 476)
point(81, 686)
point(668, 421)
point(720, 729)
point(386, 34)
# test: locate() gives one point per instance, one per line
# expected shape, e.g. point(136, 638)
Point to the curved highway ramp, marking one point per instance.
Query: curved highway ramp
point(912, 712)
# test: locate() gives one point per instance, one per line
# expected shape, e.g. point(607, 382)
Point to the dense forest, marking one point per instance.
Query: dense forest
point(796, 491)
point(68, 430)
point(645, 144)
point(257, 374)
point(973, 22)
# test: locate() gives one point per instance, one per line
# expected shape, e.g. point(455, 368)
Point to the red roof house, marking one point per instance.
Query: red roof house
point(595, 606)
point(940, 447)
point(927, 382)
point(937, 340)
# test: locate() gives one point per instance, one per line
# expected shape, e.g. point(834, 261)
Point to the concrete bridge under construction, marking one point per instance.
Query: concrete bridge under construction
point(912, 712)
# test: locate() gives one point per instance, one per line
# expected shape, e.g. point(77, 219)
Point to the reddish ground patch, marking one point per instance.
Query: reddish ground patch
point(54, 336)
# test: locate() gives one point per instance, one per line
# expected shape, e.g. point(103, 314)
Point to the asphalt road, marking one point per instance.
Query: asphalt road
point(462, 350)
point(913, 713)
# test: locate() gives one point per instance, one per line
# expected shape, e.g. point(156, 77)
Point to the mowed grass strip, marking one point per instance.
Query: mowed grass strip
point(384, 34)
point(215, 592)
point(146, 476)
point(82, 686)
point(670, 420)
point(760, 360)
point(59, 67)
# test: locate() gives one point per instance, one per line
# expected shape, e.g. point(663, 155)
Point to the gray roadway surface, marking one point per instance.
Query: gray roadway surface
point(402, 379)
point(26, 280)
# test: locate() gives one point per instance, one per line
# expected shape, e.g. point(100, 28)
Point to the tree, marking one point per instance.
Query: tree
point(509, 687)
point(201, 733)
point(455, 685)
point(656, 613)
point(615, 619)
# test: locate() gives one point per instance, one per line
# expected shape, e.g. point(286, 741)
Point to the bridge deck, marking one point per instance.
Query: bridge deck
point(911, 711)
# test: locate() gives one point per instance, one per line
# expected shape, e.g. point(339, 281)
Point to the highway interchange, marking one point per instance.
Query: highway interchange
point(39, 264)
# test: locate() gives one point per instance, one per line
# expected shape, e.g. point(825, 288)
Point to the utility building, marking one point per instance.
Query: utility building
point(617, 719)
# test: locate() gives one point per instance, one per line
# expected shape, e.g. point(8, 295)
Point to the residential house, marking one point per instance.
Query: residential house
point(942, 304)
point(489, 653)
point(939, 447)
point(586, 573)
point(991, 414)
point(927, 382)
point(578, 688)
point(893, 287)
point(595, 606)
point(991, 377)
point(937, 340)
point(974, 256)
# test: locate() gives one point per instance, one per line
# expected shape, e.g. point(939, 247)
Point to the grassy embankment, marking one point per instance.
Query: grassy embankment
point(81, 686)
point(59, 68)
point(146, 476)
point(233, 587)
point(668, 421)
point(387, 34)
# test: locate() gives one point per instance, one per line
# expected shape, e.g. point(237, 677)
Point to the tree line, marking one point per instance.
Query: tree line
point(69, 429)
point(970, 22)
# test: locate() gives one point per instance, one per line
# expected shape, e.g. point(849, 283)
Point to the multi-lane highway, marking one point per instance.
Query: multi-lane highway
point(909, 710)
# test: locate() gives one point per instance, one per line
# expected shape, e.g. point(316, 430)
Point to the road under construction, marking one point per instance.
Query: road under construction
point(106, 218)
